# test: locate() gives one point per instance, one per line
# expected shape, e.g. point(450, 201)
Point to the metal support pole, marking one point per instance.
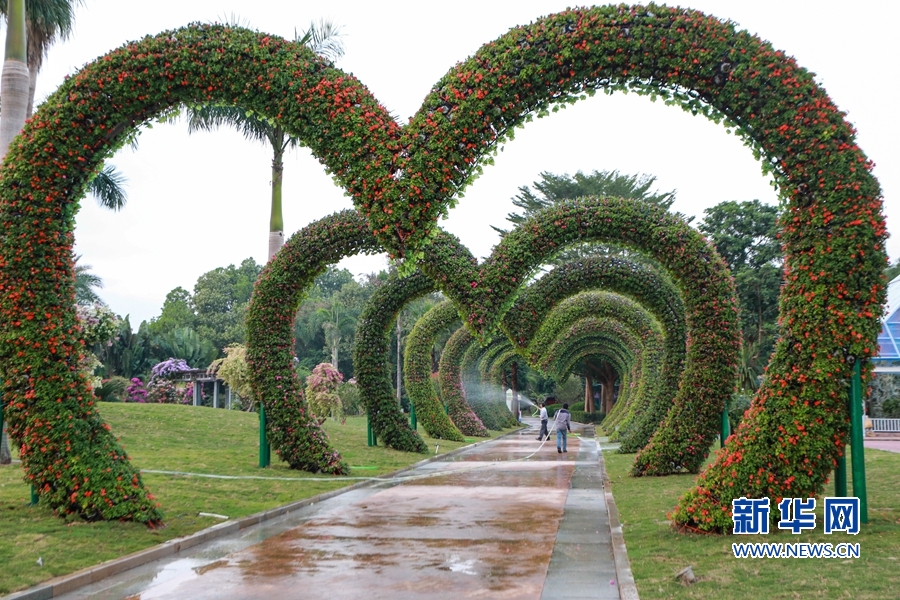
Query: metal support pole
point(857, 453)
point(215, 393)
point(196, 393)
point(229, 397)
point(412, 416)
point(263, 441)
point(726, 426)
point(371, 440)
point(840, 476)
point(34, 496)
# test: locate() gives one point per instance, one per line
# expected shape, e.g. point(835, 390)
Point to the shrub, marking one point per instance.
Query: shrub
point(321, 392)
point(113, 389)
point(891, 408)
point(136, 392)
point(350, 398)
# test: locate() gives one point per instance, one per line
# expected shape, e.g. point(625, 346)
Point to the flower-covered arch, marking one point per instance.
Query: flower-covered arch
point(417, 371)
point(404, 178)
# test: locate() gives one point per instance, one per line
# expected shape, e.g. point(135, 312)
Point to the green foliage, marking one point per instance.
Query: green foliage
point(112, 389)
point(746, 235)
point(177, 313)
point(893, 271)
point(891, 408)
point(351, 402)
point(571, 389)
point(739, 404)
point(186, 344)
point(579, 416)
point(417, 372)
point(234, 371)
point(220, 302)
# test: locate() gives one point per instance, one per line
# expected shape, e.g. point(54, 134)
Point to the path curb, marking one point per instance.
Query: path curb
point(66, 583)
point(627, 587)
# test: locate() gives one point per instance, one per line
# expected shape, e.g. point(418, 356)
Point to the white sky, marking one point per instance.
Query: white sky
point(202, 201)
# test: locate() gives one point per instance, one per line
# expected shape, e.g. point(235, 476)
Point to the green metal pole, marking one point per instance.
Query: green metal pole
point(370, 434)
point(726, 426)
point(857, 452)
point(34, 496)
point(840, 476)
point(412, 416)
point(263, 442)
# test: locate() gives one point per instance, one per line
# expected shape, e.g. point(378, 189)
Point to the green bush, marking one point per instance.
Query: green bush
point(891, 408)
point(112, 389)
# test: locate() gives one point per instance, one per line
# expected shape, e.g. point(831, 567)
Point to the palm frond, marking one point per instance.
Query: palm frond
point(323, 38)
point(233, 20)
point(47, 21)
point(108, 188)
point(211, 117)
point(85, 283)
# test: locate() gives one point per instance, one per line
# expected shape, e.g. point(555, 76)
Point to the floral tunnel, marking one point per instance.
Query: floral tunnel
point(639, 322)
point(485, 293)
point(633, 279)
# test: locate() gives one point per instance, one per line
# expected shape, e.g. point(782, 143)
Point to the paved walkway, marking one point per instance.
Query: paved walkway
point(492, 522)
point(888, 445)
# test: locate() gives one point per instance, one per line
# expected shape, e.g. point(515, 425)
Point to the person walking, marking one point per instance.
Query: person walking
point(544, 420)
point(563, 427)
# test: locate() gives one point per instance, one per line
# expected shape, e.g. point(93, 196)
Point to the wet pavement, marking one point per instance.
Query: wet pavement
point(502, 520)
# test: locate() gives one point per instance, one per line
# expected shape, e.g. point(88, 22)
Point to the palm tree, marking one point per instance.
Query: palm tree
point(14, 80)
point(336, 323)
point(323, 39)
point(85, 283)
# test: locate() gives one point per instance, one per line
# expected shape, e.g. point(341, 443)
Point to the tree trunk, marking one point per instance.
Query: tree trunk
point(588, 394)
point(607, 376)
point(276, 220)
point(334, 351)
point(32, 86)
point(515, 389)
point(14, 80)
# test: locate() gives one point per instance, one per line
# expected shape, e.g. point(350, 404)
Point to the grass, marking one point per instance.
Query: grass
point(657, 552)
point(175, 438)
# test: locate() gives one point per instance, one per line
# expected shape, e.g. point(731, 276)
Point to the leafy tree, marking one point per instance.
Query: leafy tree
point(220, 302)
point(177, 312)
point(323, 39)
point(745, 235)
point(551, 189)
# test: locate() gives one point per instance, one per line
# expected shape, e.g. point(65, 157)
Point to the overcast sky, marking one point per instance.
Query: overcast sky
point(202, 201)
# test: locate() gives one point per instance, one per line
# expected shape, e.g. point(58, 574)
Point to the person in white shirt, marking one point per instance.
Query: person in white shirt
point(544, 420)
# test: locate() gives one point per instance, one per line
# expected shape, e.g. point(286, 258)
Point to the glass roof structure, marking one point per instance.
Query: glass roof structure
point(889, 338)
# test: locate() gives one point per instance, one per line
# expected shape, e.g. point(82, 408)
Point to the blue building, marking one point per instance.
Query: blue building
point(889, 339)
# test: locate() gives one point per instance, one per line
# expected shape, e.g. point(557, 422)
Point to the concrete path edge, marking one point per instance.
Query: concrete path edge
point(66, 583)
point(627, 587)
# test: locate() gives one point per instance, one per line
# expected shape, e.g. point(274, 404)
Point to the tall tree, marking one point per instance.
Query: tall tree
point(15, 78)
point(745, 235)
point(324, 39)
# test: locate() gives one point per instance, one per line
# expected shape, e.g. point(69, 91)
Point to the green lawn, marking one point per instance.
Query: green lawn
point(657, 552)
point(174, 438)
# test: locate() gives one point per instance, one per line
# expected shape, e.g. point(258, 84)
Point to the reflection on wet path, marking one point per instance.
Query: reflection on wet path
point(485, 529)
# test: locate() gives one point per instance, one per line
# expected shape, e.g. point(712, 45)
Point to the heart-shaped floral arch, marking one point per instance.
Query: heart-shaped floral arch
point(403, 178)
